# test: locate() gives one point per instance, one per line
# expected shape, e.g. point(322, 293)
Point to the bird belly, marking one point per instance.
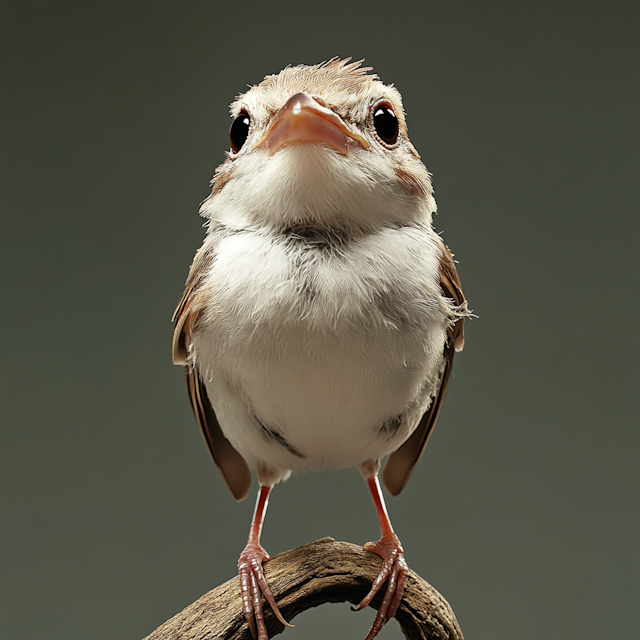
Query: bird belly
point(311, 361)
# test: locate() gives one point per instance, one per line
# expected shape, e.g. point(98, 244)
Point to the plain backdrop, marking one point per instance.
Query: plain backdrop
point(524, 511)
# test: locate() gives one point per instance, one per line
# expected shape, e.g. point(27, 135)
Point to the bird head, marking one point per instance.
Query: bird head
point(323, 145)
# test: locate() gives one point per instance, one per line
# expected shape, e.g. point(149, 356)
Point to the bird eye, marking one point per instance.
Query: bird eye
point(385, 123)
point(239, 131)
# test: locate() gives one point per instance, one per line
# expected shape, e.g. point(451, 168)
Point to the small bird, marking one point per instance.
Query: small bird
point(321, 314)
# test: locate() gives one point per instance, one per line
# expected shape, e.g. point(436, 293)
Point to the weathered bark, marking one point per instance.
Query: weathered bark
point(323, 571)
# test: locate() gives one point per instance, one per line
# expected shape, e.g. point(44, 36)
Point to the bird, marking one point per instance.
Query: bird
point(321, 314)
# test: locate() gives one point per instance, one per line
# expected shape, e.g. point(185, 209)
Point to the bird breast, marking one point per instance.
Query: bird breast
point(320, 350)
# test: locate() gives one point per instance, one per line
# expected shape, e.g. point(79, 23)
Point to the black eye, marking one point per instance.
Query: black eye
point(239, 131)
point(386, 123)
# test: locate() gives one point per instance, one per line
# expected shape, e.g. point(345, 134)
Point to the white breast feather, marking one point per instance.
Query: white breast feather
point(322, 347)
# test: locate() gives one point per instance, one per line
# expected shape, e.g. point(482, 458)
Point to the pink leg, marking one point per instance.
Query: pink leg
point(252, 581)
point(394, 567)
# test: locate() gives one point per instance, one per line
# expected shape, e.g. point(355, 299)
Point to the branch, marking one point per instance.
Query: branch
point(323, 571)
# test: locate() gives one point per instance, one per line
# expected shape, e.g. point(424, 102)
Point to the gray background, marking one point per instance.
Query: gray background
point(524, 510)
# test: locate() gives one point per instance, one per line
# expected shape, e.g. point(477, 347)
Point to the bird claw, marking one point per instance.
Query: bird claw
point(394, 569)
point(253, 585)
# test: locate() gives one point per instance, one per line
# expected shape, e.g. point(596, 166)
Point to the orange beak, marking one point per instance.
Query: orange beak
point(306, 119)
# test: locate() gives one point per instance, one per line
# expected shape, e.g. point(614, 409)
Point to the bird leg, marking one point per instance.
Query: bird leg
point(253, 584)
point(394, 568)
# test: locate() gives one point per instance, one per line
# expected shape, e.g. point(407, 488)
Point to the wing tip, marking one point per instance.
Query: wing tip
point(394, 482)
point(239, 489)
point(232, 466)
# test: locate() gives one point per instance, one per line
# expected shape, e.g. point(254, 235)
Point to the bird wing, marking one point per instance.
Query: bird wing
point(400, 464)
point(191, 304)
point(233, 467)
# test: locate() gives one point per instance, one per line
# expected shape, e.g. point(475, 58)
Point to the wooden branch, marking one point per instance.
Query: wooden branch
point(323, 571)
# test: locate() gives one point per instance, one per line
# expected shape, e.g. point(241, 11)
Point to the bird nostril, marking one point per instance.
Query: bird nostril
point(321, 101)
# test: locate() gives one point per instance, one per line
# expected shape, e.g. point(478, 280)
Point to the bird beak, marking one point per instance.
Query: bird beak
point(306, 119)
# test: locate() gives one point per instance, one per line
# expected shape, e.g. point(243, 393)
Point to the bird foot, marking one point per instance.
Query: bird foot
point(253, 585)
point(394, 569)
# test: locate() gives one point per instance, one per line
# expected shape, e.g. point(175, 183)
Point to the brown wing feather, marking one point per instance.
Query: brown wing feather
point(232, 465)
point(451, 288)
point(400, 464)
point(190, 306)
